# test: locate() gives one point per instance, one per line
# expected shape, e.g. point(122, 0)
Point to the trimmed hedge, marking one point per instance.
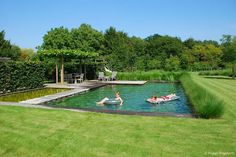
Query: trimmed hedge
point(155, 75)
point(206, 104)
point(16, 76)
point(226, 72)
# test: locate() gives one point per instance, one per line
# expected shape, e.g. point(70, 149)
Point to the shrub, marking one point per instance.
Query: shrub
point(206, 104)
point(226, 72)
point(20, 75)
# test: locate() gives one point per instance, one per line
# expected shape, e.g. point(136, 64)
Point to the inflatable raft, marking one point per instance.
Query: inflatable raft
point(112, 102)
point(160, 100)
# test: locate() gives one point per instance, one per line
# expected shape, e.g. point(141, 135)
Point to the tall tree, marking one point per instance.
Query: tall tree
point(87, 39)
point(138, 57)
point(57, 38)
point(208, 55)
point(7, 49)
point(27, 54)
point(172, 63)
point(187, 59)
point(213, 56)
point(229, 51)
point(211, 42)
point(189, 43)
point(118, 48)
point(164, 44)
point(162, 47)
point(60, 44)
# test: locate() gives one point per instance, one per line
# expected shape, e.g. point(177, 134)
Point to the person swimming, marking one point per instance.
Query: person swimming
point(117, 97)
point(155, 99)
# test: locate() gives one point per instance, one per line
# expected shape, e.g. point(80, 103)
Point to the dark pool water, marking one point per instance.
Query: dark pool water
point(134, 98)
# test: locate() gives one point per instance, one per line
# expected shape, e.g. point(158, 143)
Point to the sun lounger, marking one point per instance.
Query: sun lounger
point(101, 76)
point(113, 75)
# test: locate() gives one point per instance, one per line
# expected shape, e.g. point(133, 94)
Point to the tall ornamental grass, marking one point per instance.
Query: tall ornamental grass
point(206, 104)
point(150, 75)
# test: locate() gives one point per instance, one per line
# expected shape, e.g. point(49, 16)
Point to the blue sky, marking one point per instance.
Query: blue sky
point(26, 21)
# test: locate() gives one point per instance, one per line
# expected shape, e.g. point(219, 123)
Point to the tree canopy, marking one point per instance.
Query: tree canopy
point(57, 38)
point(64, 44)
point(68, 53)
point(229, 48)
point(7, 49)
point(124, 53)
point(85, 38)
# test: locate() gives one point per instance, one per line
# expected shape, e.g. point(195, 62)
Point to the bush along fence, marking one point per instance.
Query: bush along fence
point(226, 72)
point(205, 104)
point(150, 75)
point(16, 76)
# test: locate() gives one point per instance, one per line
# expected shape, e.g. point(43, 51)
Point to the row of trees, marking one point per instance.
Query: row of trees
point(13, 52)
point(124, 53)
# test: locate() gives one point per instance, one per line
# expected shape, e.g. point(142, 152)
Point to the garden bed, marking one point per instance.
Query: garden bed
point(30, 94)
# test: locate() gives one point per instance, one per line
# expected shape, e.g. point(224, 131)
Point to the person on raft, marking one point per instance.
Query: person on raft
point(168, 97)
point(154, 99)
point(117, 97)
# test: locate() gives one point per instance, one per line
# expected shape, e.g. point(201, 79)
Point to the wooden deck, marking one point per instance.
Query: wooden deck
point(75, 89)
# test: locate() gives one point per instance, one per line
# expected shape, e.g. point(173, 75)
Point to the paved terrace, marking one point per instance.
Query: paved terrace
point(75, 89)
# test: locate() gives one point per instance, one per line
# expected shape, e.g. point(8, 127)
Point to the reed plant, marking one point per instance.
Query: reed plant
point(154, 75)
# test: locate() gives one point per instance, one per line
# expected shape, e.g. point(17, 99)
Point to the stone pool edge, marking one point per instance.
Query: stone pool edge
point(120, 112)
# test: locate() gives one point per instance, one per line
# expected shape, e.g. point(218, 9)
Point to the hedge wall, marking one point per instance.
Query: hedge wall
point(20, 75)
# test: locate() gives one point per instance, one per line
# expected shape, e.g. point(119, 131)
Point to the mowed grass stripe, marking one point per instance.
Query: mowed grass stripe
point(219, 89)
point(226, 85)
point(216, 87)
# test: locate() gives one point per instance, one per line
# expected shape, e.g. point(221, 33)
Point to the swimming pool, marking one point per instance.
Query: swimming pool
point(134, 99)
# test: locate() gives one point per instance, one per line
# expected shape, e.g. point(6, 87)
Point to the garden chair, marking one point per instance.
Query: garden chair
point(101, 76)
point(113, 76)
point(80, 79)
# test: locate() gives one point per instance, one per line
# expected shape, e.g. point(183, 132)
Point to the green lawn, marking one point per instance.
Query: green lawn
point(41, 132)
